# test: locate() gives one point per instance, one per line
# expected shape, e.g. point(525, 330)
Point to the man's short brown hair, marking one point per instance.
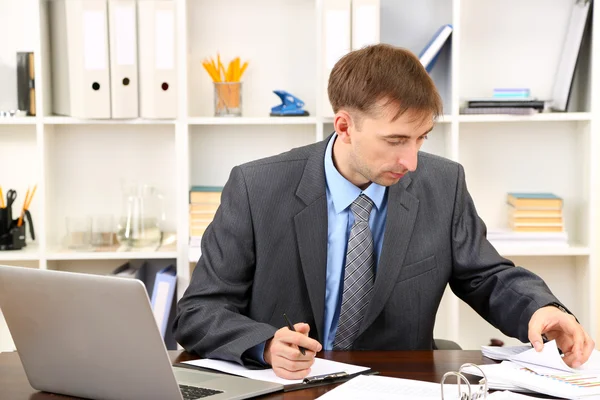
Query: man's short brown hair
point(362, 79)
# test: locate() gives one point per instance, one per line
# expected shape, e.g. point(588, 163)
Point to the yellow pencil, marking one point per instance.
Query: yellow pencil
point(218, 73)
point(31, 196)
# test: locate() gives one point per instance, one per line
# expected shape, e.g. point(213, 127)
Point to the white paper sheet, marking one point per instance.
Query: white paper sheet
point(320, 367)
point(508, 395)
point(386, 388)
point(550, 359)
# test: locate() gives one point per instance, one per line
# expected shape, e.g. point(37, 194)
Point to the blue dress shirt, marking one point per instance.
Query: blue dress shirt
point(340, 195)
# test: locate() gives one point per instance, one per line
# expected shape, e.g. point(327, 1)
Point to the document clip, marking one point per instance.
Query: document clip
point(325, 377)
point(471, 394)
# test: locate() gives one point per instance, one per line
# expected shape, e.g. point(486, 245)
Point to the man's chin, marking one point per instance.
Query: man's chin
point(387, 181)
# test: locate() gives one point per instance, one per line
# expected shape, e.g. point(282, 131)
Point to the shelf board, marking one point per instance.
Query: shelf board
point(18, 120)
point(542, 251)
point(59, 120)
point(542, 117)
point(29, 253)
point(252, 121)
point(444, 119)
point(66, 254)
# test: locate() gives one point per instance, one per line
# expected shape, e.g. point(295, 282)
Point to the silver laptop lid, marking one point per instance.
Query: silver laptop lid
point(86, 335)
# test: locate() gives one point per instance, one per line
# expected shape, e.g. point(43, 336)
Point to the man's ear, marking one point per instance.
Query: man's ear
point(342, 121)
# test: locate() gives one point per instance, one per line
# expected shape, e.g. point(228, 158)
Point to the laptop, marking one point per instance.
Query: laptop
point(96, 337)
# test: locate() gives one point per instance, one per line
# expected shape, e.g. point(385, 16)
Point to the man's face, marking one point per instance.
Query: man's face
point(382, 150)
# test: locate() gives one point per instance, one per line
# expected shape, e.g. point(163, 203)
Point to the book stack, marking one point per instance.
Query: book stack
point(534, 219)
point(516, 101)
point(204, 201)
point(535, 212)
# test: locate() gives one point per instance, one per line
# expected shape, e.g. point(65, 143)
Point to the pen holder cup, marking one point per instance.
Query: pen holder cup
point(228, 99)
point(12, 236)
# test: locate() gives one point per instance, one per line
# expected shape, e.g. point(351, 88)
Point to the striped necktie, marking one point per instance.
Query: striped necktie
point(359, 274)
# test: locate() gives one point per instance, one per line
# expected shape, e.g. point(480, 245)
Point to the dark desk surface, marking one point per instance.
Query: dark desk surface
point(421, 365)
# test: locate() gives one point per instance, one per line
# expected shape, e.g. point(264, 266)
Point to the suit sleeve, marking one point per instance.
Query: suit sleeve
point(211, 316)
point(504, 294)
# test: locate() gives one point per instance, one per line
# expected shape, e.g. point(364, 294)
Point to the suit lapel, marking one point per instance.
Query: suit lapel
point(400, 220)
point(311, 233)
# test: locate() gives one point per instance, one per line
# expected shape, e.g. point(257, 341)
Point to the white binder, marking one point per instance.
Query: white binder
point(335, 28)
point(157, 59)
point(123, 58)
point(366, 25)
point(80, 66)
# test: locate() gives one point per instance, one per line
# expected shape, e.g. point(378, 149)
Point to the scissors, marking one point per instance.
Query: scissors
point(11, 196)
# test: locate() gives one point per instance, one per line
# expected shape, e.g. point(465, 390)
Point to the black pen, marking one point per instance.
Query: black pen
point(291, 327)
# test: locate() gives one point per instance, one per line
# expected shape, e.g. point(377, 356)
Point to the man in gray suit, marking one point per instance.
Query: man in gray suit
point(351, 238)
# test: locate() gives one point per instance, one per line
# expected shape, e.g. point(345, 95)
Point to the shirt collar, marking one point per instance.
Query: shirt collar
point(341, 190)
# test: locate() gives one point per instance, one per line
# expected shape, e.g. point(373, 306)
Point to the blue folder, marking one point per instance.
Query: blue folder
point(163, 295)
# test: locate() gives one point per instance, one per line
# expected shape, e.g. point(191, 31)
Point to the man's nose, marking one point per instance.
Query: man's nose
point(409, 160)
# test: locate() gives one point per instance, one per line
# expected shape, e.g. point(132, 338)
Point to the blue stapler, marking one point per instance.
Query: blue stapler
point(290, 106)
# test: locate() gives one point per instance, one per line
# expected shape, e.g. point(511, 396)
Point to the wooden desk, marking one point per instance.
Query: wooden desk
point(421, 365)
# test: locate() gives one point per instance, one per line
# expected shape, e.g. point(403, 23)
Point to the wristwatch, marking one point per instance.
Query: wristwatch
point(560, 307)
point(563, 309)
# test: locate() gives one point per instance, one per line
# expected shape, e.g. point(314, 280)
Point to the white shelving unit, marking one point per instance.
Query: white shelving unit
point(78, 164)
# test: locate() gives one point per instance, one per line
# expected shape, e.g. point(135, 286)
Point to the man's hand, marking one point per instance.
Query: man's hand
point(570, 337)
point(283, 355)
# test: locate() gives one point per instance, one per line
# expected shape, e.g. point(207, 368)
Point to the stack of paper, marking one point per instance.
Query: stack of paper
point(503, 353)
point(542, 372)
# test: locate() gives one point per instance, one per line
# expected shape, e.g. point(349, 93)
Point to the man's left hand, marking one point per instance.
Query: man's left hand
point(570, 336)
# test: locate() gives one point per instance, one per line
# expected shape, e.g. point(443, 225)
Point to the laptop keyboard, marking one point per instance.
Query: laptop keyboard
point(193, 392)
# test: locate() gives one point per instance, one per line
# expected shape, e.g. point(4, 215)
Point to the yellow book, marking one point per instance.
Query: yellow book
point(205, 195)
point(203, 208)
point(537, 221)
point(537, 201)
point(514, 212)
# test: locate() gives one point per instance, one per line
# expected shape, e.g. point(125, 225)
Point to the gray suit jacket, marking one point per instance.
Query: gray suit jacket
point(265, 254)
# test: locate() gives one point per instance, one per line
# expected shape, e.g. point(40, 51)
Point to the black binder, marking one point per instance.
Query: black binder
point(26, 83)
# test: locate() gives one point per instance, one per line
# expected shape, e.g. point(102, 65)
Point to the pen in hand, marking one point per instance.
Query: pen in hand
point(291, 328)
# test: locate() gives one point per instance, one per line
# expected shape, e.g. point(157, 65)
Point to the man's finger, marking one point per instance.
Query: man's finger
point(578, 343)
point(302, 328)
point(536, 328)
point(589, 347)
point(293, 365)
point(580, 355)
point(299, 339)
point(291, 352)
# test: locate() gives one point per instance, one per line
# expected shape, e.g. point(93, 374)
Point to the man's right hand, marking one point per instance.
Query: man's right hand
point(283, 354)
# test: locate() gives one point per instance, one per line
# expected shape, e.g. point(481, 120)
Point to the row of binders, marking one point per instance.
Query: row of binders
point(113, 58)
point(160, 279)
point(346, 25)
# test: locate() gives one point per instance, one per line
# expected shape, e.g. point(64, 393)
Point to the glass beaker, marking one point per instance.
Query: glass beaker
point(140, 225)
point(79, 232)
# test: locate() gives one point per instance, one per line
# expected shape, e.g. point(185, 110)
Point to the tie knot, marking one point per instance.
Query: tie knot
point(361, 208)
